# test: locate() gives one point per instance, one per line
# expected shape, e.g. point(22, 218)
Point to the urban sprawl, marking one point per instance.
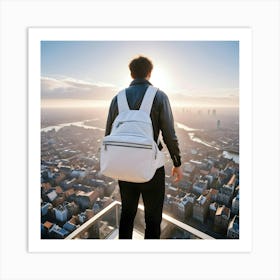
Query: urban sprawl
point(73, 191)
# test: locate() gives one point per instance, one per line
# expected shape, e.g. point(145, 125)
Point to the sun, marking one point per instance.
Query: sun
point(161, 78)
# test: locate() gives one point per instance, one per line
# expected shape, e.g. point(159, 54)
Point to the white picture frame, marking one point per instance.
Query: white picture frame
point(243, 35)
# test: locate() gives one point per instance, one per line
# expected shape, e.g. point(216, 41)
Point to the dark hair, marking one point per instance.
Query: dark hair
point(140, 67)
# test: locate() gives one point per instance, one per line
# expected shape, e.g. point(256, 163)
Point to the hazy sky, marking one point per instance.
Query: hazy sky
point(97, 69)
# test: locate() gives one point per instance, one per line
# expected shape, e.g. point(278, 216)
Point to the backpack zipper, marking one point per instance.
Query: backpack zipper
point(127, 144)
point(122, 122)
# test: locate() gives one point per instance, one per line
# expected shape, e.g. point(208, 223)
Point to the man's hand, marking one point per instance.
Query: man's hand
point(177, 172)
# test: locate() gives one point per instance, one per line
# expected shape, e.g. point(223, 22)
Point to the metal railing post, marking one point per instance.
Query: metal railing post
point(117, 215)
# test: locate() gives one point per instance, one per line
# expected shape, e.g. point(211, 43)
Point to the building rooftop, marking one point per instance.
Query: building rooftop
point(48, 224)
point(201, 200)
point(222, 210)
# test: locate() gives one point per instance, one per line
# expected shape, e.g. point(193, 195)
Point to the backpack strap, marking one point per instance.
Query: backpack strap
point(148, 99)
point(122, 101)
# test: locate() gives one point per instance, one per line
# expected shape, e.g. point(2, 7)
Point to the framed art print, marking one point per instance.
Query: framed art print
point(73, 74)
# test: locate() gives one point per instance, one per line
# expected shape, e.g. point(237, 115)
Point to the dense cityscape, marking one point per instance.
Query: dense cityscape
point(73, 191)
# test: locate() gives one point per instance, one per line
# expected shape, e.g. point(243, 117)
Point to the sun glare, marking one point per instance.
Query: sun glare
point(160, 78)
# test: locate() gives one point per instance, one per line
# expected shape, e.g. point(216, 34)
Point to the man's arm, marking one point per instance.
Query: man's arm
point(113, 112)
point(170, 138)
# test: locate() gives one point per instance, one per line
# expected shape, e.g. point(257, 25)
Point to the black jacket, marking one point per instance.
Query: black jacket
point(161, 116)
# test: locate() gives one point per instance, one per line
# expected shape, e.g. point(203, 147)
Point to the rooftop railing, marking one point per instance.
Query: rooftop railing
point(105, 224)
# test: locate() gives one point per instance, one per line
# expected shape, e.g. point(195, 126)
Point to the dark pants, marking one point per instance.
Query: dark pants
point(153, 197)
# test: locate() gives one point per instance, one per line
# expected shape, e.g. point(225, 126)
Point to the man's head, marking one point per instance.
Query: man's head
point(141, 68)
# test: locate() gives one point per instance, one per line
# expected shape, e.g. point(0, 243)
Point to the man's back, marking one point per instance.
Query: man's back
point(161, 115)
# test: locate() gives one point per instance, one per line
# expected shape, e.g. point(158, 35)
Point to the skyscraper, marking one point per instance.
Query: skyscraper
point(218, 124)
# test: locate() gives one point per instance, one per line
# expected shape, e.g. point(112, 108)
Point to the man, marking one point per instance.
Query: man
point(162, 119)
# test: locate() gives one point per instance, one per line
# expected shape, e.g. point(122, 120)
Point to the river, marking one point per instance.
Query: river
point(226, 154)
point(187, 128)
point(81, 124)
point(192, 135)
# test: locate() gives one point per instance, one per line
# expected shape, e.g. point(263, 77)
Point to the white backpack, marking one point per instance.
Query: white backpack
point(130, 153)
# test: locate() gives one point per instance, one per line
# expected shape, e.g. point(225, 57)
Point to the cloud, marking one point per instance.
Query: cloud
point(73, 90)
point(68, 88)
point(217, 97)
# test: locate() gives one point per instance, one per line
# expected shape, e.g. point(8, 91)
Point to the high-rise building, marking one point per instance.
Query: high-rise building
point(225, 194)
point(70, 227)
point(82, 217)
point(200, 186)
point(57, 232)
point(218, 124)
point(45, 208)
point(200, 208)
point(212, 210)
point(235, 204)
point(222, 217)
point(233, 228)
point(61, 213)
point(185, 207)
point(86, 200)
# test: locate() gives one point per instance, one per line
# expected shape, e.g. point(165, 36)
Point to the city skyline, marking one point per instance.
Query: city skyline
point(196, 73)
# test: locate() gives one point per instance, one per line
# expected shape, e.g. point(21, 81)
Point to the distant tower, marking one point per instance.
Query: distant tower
point(218, 124)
